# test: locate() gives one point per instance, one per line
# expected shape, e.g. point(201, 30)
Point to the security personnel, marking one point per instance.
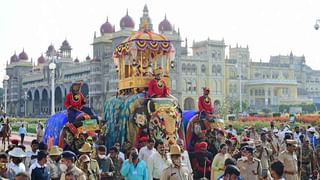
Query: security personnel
point(93, 165)
point(306, 156)
point(67, 166)
point(250, 167)
point(53, 162)
point(175, 171)
point(290, 161)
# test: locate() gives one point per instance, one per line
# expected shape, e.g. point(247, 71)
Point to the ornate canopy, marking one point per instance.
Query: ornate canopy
point(139, 55)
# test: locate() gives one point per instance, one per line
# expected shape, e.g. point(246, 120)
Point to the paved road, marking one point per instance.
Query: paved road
point(27, 140)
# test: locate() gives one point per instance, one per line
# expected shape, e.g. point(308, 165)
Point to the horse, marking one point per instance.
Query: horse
point(5, 133)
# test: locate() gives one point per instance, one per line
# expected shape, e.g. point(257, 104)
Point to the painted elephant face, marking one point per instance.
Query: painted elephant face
point(140, 120)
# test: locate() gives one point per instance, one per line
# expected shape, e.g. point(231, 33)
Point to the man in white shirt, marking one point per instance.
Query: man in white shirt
point(185, 160)
point(231, 130)
point(16, 165)
point(146, 151)
point(157, 162)
point(31, 156)
point(22, 133)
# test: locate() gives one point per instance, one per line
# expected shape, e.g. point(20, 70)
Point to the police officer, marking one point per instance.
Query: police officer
point(250, 167)
point(306, 156)
point(290, 161)
point(67, 166)
point(175, 171)
point(93, 165)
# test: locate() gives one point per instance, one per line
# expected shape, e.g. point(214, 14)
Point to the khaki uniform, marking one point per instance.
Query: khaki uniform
point(317, 159)
point(54, 169)
point(93, 169)
point(173, 173)
point(78, 174)
point(290, 162)
point(250, 170)
point(307, 157)
point(276, 144)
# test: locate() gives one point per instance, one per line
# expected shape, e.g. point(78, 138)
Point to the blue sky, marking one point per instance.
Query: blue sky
point(268, 27)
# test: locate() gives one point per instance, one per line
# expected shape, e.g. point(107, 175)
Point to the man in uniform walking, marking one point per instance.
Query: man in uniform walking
point(250, 167)
point(290, 161)
point(67, 166)
point(306, 157)
point(175, 171)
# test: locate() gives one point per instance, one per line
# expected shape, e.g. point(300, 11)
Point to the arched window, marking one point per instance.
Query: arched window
point(194, 68)
point(189, 104)
point(183, 67)
point(214, 69)
point(189, 68)
point(219, 69)
point(203, 68)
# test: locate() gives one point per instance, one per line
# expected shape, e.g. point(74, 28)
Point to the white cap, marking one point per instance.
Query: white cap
point(312, 129)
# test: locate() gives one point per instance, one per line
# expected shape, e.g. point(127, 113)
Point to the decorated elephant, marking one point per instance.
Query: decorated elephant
point(129, 118)
point(58, 131)
point(200, 130)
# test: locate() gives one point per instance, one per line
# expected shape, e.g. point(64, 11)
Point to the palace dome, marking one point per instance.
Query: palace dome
point(106, 27)
point(23, 55)
point(41, 59)
point(165, 25)
point(126, 22)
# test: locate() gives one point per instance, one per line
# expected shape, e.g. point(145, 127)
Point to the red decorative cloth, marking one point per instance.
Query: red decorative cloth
point(205, 105)
point(203, 145)
point(158, 88)
point(73, 101)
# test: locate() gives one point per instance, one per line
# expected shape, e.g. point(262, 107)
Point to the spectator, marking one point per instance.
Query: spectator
point(32, 155)
point(16, 165)
point(157, 162)
point(277, 170)
point(228, 162)
point(184, 156)
point(217, 166)
point(201, 160)
point(4, 160)
point(40, 132)
point(147, 151)
point(22, 176)
point(22, 133)
point(117, 162)
point(134, 168)
point(120, 154)
point(231, 173)
point(39, 170)
point(231, 130)
point(105, 164)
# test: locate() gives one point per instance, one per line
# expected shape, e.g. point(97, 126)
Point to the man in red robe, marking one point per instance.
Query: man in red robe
point(157, 86)
point(204, 104)
point(74, 103)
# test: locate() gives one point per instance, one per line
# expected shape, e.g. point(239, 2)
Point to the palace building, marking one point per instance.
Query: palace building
point(282, 80)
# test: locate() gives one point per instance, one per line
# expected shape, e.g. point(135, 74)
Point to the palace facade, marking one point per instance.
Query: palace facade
point(282, 80)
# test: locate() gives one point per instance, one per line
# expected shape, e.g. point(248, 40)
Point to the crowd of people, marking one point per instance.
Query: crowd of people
point(267, 153)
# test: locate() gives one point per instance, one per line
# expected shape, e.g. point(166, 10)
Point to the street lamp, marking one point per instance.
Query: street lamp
point(25, 103)
point(6, 78)
point(52, 67)
point(316, 26)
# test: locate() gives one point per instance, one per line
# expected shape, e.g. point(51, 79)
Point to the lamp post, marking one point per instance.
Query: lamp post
point(6, 78)
point(25, 103)
point(240, 86)
point(316, 25)
point(52, 67)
